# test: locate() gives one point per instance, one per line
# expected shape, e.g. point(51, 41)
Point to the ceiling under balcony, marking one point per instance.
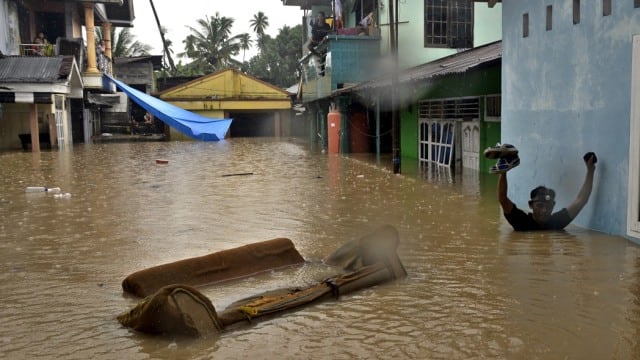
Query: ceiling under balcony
point(306, 4)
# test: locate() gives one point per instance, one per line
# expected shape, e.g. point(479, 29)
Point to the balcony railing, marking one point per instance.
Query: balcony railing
point(67, 47)
point(338, 60)
point(37, 50)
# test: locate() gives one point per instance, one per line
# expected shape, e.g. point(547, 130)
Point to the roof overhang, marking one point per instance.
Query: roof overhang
point(306, 4)
point(117, 12)
point(72, 86)
point(490, 3)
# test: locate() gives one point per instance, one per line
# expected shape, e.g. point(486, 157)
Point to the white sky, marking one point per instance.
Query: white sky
point(175, 16)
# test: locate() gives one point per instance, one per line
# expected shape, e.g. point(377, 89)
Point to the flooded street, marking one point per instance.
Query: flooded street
point(475, 288)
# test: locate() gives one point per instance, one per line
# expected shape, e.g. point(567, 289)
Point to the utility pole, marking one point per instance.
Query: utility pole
point(164, 43)
point(395, 126)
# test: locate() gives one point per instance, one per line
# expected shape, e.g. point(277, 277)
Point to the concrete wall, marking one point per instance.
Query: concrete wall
point(136, 74)
point(411, 50)
point(566, 91)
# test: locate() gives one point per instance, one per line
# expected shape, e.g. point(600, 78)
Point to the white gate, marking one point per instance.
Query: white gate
point(60, 134)
point(436, 141)
point(471, 145)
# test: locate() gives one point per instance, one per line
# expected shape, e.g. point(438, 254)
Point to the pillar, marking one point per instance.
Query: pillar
point(91, 38)
point(35, 129)
point(106, 35)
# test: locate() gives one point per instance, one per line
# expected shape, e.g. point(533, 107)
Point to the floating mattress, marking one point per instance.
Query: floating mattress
point(220, 266)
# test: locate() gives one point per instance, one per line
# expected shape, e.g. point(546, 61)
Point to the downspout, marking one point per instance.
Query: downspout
point(378, 126)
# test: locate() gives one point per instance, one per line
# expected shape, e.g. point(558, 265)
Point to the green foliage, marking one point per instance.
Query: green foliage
point(278, 63)
point(211, 46)
point(123, 43)
point(259, 24)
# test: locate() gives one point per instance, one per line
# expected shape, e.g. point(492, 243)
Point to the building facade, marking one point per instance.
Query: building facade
point(40, 91)
point(570, 76)
point(352, 56)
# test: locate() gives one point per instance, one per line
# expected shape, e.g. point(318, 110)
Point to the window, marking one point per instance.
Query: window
point(549, 17)
point(448, 24)
point(492, 108)
point(525, 25)
point(576, 11)
point(606, 7)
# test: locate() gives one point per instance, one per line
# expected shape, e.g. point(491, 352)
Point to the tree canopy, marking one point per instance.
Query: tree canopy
point(211, 45)
point(124, 43)
point(278, 62)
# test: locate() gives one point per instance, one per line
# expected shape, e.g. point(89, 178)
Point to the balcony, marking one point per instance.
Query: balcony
point(75, 47)
point(343, 60)
point(37, 50)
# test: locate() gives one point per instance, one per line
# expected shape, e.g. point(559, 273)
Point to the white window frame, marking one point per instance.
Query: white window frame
point(633, 200)
point(438, 143)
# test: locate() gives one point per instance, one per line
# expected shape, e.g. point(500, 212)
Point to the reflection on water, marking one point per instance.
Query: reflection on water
point(475, 288)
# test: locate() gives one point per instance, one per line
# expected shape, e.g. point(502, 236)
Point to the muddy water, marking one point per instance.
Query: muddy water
point(475, 288)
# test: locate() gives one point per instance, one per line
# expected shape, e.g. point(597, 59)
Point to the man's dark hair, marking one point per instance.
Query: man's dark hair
point(322, 13)
point(542, 192)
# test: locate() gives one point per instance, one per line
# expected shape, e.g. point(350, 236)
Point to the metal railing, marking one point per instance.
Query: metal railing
point(37, 50)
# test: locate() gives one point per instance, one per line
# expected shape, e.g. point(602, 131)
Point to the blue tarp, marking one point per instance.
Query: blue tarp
point(193, 125)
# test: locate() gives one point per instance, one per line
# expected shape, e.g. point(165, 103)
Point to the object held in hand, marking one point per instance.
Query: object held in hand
point(500, 151)
point(505, 164)
point(588, 155)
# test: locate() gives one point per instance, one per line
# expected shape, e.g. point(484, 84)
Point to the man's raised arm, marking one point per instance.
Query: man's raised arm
point(590, 160)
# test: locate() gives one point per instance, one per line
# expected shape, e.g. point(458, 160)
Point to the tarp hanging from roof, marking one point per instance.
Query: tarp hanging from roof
point(193, 125)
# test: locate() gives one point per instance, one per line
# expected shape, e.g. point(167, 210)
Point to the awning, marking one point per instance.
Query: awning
point(193, 125)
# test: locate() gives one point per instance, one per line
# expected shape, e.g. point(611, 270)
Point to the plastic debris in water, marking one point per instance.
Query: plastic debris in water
point(30, 189)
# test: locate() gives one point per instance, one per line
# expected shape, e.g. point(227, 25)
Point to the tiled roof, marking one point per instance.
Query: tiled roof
point(35, 69)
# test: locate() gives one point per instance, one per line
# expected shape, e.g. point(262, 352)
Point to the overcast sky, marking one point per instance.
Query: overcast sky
point(175, 16)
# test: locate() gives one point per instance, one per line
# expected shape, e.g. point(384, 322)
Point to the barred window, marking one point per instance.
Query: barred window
point(448, 24)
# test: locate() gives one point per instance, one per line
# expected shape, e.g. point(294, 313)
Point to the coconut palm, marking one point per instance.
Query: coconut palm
point(245, 43)
point(167, 52)
point(211, 46)
point(259, 24)
point(123, 43)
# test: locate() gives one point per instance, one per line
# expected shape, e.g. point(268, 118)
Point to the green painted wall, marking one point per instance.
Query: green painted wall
point(478, 82)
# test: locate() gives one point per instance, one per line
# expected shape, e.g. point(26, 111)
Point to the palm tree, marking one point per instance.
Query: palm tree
point(124, 44)
point(245, 43)
point(211, 46)
point(259, 24)
point(167, 52)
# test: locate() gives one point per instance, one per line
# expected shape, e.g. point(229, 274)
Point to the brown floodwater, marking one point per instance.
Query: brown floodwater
point(475, 288)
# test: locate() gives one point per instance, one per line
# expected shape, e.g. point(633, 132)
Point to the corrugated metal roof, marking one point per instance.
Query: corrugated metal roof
point(35, 69)
point(456, 63)
point(155, 60)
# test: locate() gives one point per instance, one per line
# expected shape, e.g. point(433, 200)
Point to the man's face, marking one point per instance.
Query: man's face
point(541, 209)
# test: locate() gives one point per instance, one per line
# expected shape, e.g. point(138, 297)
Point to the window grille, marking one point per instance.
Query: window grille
point(493, 105)
point(459, 108)
point(448, 24)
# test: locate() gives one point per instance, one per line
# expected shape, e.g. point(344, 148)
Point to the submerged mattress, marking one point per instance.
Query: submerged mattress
point(220, 266)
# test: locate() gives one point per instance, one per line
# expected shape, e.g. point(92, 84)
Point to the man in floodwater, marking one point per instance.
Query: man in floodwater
point(542, 203)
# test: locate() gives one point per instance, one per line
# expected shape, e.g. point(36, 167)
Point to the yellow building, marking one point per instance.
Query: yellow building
point(256, 107)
